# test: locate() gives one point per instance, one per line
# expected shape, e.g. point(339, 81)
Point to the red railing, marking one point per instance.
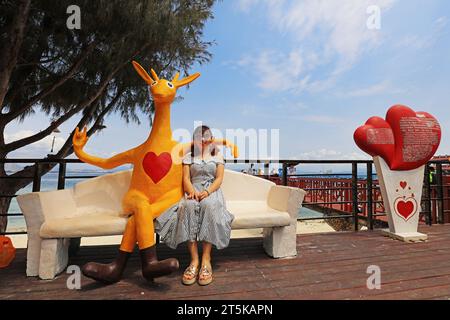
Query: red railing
point(336, 194)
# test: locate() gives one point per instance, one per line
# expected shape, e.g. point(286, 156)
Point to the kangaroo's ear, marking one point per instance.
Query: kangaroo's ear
point(154, 75)
point(185, 81)
point(141, 71)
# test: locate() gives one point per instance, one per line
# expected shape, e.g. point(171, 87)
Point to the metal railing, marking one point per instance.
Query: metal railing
point(355, 195)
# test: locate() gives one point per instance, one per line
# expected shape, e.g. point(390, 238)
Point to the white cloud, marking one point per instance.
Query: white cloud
point(37, 149)
point(441, 23)
point(333, 31)
point(419, 42)
point(246, 5)
point(279, 71)
point(378, 88)
point(321, 119)
point(288, 111)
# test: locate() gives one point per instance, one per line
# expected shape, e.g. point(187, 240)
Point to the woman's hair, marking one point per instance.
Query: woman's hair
point(200, 131)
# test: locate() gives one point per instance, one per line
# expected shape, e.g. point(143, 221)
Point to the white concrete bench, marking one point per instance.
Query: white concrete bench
point(93, 208)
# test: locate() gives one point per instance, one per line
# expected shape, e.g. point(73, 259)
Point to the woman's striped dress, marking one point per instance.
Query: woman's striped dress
point(207, 220)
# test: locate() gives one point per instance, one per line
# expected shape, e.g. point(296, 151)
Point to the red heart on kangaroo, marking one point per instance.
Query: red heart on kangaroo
point(406, 140)
point(156, 167)
point(406, 208)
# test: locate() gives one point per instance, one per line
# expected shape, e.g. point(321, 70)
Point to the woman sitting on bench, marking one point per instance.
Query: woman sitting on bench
point(201, 215)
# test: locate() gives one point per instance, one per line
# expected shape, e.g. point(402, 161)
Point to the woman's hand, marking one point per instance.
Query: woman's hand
point(190, 195)
point(80, 138)
point(204, 194)
point(194, 195)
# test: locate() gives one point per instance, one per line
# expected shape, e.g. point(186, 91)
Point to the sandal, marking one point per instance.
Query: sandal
point(206, 275)
point(192, 273)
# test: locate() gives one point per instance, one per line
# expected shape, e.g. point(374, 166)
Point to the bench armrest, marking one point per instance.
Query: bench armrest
point(288, 199)
point(40, 206)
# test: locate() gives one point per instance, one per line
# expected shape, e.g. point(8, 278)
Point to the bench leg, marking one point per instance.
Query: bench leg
point(281, 242)
point(33, 254)
point(54, 257)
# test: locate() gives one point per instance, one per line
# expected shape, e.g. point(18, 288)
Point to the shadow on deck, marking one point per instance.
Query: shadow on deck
point(329, 266)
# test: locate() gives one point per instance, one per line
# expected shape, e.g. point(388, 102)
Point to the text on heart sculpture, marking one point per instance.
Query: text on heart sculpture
point(406, 139)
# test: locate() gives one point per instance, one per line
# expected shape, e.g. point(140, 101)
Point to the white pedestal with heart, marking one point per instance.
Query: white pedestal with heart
point(402, 194)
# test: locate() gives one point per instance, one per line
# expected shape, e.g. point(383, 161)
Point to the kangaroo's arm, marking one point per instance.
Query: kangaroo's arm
point(226, 143)
point(105, 163)
point(179, 151)
point(80, 139)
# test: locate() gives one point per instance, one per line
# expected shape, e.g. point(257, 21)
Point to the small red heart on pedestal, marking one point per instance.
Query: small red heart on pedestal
point(405, 208)
point(406, 140)
point(403, 184)
point(156, 167)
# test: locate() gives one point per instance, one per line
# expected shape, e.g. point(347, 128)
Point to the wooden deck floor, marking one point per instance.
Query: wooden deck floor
point(329, 266)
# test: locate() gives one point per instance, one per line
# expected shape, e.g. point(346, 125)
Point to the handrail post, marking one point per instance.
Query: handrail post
point(285, 177)
point(355, 194)
point(267, 169)
point(440, 194)
point(37, 177)
point(369, 196)
point(429, 214)
point(62, 175)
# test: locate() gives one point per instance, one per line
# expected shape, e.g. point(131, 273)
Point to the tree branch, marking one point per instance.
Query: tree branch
point(44, 133)
point(10, 51)
point(105, 111)
point(15, 113)
point(63, 152)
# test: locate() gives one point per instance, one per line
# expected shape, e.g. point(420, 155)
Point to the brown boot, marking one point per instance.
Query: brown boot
point(152, 268)
point(107, 273)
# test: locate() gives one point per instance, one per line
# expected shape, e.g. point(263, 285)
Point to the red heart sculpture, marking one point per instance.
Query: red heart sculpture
point(156, 167)
point(405, 208)
point(403, 184)
point(406, 140)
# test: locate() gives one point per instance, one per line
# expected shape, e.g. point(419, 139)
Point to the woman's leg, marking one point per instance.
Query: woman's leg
point(206, 257)
point(193, 251)
point(190, 274)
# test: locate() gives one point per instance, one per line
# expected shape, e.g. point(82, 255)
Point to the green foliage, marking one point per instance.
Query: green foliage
point(163, 34)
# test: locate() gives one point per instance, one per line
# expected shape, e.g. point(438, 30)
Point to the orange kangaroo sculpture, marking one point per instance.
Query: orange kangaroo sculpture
point(156, 183)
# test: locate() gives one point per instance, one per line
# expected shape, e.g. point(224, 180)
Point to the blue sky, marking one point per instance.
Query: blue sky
point(311, 69)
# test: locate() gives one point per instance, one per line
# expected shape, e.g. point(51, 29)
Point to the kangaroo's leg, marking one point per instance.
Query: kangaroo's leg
point(129, 238)
point(112, 272)
point(145, 234)
point(139, 229)
point(107, 273)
